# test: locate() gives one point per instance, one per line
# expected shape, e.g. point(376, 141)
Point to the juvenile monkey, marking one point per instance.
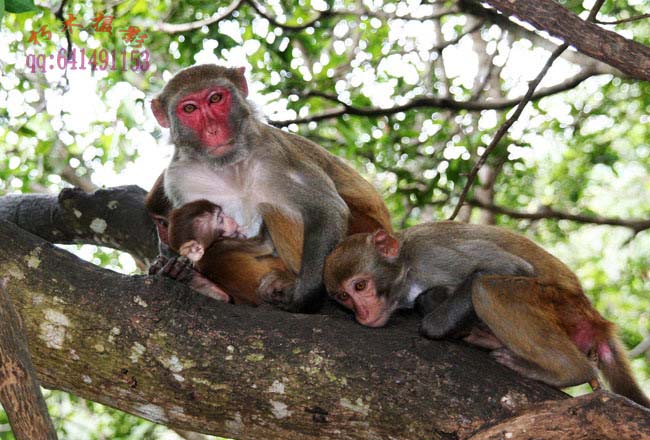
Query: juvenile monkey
point(533, 313)
point(306, 198)
point(214, 243)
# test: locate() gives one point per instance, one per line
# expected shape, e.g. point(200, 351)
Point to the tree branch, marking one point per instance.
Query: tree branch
point(623, 20)
point(174, 28)
point(504, 129)
point(152, 347)
point(628, 56)
point(546, 212)
point(430, 102)
point(593, 416)
point(113, 217)
point(20, 393)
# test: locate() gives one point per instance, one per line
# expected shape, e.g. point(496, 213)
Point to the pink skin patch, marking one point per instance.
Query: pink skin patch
point(584, 336)
point(585, 339)
point(605, 353)
point(206, 113)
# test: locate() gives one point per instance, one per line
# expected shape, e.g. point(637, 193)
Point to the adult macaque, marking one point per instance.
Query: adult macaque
point(214, 243)
point(306, 198)
point(532, 310)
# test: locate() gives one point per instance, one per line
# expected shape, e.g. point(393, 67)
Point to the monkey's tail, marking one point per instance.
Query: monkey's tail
point(617, 371)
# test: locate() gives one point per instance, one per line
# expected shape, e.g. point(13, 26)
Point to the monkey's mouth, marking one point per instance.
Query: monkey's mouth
point(218, 148)
point(374, 321)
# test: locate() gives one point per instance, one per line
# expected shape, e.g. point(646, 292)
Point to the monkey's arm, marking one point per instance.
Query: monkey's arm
point(324, 218)
point(454, 314)
point(368, 212)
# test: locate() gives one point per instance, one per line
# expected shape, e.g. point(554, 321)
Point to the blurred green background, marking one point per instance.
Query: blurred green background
point(409, 92)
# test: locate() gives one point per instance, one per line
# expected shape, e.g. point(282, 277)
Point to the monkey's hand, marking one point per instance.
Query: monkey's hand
point(273, 284)
point(279, 291)
point(180, 269)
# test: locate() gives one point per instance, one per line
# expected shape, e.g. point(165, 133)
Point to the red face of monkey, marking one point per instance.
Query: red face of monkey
point(359, 294)
point(356, 271)
point(206, 113)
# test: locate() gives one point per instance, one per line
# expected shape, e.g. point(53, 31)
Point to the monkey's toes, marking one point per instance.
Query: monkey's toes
point(157, 265)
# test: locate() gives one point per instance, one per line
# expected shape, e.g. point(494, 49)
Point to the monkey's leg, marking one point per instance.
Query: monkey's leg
point(453, 315)
point(180, 269)
point(517, 311)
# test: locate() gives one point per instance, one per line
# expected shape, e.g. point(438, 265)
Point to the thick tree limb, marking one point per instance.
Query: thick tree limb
point(154, 348)
point(628, 56)
point(20, 393)
point(597, 415)
point(114, 218)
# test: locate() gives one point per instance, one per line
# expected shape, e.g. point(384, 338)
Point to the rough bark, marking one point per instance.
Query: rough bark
point(20, 393)
point(154, 348)
point(593, 416)
point(628, 56)
point(113, 217)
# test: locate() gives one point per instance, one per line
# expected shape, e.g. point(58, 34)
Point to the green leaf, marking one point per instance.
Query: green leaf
point(18, 6)
point(2, 9)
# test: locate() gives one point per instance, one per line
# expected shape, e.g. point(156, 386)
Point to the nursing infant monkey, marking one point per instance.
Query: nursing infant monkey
point(532, 312)
point(213, 241)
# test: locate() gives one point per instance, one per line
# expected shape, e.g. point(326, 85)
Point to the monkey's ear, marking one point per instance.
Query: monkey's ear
point(386, 244)
point(243, 85)
point(159, 112)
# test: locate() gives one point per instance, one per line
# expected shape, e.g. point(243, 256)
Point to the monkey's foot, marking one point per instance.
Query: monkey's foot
point(277, 289)
point(180, 269)
point(157, 265)
point(274, 283)
point(595, 384)
point(177, 268)
point(483, 337)
point(203, 285)
point(508, 359)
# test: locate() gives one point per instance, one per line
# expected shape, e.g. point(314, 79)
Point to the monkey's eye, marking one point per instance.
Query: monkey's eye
point(189, 108)
point(360, 285)
point(216, 97)
point(342, 296)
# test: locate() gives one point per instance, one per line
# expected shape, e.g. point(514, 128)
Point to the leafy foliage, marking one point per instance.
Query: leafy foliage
point(583, 151)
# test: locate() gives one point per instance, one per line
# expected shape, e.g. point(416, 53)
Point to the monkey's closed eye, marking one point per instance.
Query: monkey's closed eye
point(216, 97)
point(360, 285)
point(189, 108)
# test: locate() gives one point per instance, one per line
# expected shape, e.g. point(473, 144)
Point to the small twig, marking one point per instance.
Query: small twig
point(546, 212)
point(504, 128)
point(59, 15)
point(641, 347)
point(515, 115)
point(623, 20)
point(174, 28)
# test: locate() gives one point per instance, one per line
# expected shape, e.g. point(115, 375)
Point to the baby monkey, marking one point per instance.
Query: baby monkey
point(217, 248)
point(491, 287)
